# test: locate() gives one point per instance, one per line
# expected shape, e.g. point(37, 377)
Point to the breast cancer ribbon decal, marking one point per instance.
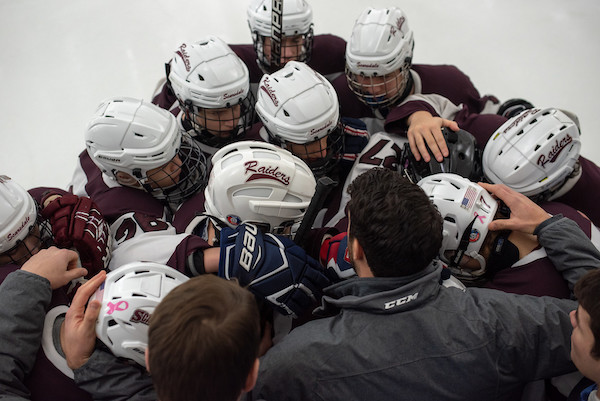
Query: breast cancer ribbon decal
point(119, 306)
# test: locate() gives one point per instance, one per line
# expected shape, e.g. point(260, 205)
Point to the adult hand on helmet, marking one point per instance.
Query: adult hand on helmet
point(78, 331)
point(525, 215)
point(272, 267)
point(424, 131)
point(59, 266)
point(77, 223)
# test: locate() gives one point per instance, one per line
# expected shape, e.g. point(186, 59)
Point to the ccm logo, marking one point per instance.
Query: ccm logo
point(400, 301)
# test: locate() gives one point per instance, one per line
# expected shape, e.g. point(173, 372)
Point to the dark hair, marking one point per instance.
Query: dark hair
point(396, 224)
point(586, 290)
point(203, 340)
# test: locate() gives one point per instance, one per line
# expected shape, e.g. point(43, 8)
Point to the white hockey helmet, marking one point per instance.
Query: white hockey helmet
point(129, 296)
point(467, 210)
point(379, 57)
point(534, 152)
point(133, 136)
point(18, 214)
point(260, 183)
point(298, 106)
point(296, 21)
point(208, 75)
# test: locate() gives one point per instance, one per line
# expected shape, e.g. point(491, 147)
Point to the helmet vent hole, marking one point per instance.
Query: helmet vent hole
point(112, 322)
point(450, 219)
point(562, 128)
point(136, 134)
point(138, 295)
point(200, 77)
point(516, 168)
point(520, 133)
point(533, 121)
point(550, 136)
point(536, 147)
point(500, 152)
point(286, 113)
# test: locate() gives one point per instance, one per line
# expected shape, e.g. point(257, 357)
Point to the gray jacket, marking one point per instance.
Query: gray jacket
point(411, 338)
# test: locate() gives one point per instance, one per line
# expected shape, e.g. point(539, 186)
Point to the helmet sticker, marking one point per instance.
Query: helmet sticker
point(555, 151)
point(265, 172)
point(140, 316)
point(474, 237)
point(269, 91)
point(234, 220)
point(469, 198)
point(184, 57)
point(119, 306)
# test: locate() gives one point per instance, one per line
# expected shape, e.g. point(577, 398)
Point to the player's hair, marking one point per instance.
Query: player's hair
point(399, 229)
point(586, 291)
point(203, 340)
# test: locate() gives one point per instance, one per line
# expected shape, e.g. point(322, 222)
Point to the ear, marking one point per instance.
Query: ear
point(147, 359)
point(252, 376)
point(356, 250)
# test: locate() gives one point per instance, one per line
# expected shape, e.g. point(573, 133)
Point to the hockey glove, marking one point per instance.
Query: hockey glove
point(334, 256)
point(272, 267)
point(77, 223)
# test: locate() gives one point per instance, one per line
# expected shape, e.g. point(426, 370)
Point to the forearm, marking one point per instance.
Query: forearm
point(106, 378)
point(567, 246)
point(24, 297)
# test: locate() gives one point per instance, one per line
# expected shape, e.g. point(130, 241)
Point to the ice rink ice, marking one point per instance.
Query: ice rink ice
point(61, 58)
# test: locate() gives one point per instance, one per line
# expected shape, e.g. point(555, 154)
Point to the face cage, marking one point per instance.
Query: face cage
point(394, 88)
point(42, 235)
point(319, 165)
point(221, 137)
point(192, 176)
point(302, 50)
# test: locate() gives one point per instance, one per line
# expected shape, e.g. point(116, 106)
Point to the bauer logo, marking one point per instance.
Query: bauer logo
point(257, 172)
point(140, 316)
point(265, 87)
point(400, 301)
point(184, 57)
point(556, 150)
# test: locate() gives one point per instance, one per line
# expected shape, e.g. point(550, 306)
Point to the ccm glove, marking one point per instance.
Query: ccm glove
point(274, 268)
point(77, 223)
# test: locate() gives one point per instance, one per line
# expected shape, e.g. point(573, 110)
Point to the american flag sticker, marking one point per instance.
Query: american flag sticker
point(469, 198)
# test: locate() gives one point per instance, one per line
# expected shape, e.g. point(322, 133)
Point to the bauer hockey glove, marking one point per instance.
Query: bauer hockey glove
point(274, 268)
point(77, 223)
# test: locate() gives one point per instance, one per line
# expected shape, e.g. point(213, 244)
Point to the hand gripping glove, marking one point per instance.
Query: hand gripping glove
point(77, 223)
point(272, 267)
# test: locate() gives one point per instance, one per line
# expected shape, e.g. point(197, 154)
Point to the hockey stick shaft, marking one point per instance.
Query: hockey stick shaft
point(324, 186)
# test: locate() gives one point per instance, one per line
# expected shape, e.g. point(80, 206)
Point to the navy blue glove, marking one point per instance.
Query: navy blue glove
point(272, 267)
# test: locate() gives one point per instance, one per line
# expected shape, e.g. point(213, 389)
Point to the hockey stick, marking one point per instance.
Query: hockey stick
point(324, 186)
point(276, 34)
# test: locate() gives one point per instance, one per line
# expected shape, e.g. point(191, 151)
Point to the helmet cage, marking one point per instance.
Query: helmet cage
point(187, 179)
point(218, 127)
point(312, 152)
point(296, 29)
point(381, 91)
point(294, 47)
